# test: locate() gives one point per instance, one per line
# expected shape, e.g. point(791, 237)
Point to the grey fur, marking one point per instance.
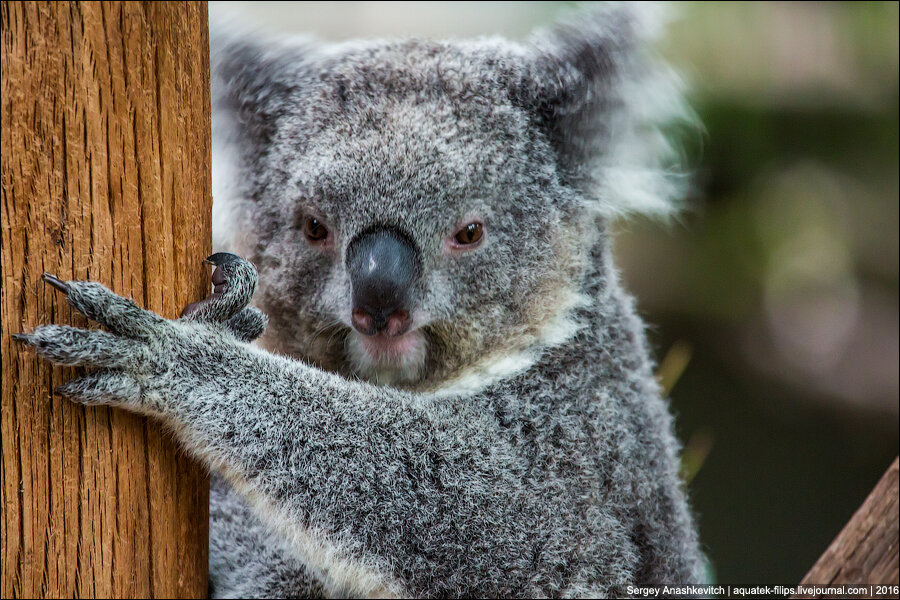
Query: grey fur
point(531, 453)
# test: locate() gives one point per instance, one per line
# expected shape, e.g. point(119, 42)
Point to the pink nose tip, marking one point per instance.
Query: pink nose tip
point(396, 324)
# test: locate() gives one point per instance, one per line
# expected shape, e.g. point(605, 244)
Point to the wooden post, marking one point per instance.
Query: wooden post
point(105, 176)
point(865, 551)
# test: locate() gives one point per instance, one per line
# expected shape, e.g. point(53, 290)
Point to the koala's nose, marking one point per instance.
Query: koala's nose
point(383, 266)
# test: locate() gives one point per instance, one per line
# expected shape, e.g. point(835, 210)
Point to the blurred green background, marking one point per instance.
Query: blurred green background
point(773, 301)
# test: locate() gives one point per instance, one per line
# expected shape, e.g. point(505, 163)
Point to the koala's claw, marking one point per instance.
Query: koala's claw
point(218, 260)
point(121, 315)
point(222, 258)
point(56, 282)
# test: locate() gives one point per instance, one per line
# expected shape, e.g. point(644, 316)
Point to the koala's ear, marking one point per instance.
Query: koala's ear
point(604, 102)
point(252, 76)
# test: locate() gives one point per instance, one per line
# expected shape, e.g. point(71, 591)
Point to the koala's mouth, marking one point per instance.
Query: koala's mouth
point(381, 358)
point(388, 349)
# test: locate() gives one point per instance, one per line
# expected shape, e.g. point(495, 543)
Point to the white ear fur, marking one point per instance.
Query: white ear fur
point(618, 100)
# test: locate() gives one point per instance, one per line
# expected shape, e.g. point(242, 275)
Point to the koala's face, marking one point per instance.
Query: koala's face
point(416, 208)
point(412, 223)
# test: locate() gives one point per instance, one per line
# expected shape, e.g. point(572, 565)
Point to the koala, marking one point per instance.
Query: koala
point(453, 394)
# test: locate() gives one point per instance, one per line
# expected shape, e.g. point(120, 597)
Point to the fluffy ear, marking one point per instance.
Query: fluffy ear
point(253, 74)
point(253, 77)
point(604, 101)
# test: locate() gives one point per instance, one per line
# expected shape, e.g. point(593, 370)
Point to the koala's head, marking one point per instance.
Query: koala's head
point(417, 208)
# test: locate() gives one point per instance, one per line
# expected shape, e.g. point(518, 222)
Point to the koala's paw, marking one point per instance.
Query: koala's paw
point(234, 281)
point(144, 357)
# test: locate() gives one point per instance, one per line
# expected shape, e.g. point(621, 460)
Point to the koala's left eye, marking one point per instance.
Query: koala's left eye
point(315, 230)
point(469, 235)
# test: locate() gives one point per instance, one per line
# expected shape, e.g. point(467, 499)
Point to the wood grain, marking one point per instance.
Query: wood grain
point(105, 176)
point(865, 551)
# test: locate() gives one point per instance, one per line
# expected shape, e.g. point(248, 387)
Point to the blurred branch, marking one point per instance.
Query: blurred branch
point(694, 455)
point(673, 365)
point(865, 551)
point(698, 447)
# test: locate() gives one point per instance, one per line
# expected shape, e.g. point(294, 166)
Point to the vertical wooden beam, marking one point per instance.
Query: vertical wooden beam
point(105, 176)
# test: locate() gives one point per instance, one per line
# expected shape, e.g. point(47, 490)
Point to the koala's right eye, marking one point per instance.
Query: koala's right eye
point(315, 230)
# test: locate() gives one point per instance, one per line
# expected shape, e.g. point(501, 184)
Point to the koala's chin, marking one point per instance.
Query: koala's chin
point(388, 360)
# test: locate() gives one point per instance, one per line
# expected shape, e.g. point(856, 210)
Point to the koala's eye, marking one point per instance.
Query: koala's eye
point(315, 230)
point(469, 235)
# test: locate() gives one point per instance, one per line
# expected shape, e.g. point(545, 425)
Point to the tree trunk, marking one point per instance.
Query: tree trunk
point(105, 176)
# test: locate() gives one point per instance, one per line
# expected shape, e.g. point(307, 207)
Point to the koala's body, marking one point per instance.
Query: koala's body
point(469, 407)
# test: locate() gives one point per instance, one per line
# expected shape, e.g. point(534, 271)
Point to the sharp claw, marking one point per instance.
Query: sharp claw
point(55, 282)
point(221, 258)
point(22, 338)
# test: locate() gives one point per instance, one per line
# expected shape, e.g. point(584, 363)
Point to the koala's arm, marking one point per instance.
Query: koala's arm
point(381, 479)
point(382, 491)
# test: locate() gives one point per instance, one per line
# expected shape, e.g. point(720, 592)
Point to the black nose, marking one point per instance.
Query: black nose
point(383, 266)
